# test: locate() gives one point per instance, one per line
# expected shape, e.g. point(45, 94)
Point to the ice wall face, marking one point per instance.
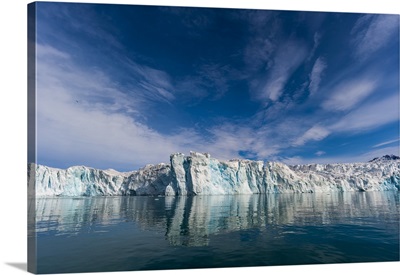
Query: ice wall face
point(199, 174)
point(84, 181)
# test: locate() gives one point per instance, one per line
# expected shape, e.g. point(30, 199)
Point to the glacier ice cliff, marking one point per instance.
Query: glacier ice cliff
point(200, 174)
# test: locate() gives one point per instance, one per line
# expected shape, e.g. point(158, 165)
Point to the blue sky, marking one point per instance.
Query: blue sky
point(123, 86)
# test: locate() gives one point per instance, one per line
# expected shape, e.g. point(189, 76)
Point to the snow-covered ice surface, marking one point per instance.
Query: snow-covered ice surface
point(199, 174)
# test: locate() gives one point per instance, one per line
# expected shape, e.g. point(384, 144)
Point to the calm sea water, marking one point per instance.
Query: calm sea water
point(141, 233)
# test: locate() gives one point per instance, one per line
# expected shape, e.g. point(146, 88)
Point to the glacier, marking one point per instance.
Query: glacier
point(200, 174)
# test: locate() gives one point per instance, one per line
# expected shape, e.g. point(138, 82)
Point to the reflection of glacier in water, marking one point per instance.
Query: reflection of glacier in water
point(92, 234)
point(191, 221)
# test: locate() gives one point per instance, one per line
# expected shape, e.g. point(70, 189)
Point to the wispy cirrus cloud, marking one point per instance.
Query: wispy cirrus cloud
point(77, 130)
point(370, 116)
point(258, 53)
point(80, 111)
point(373, 32)
point(364, 118)
point(156, 84)
point(85, 115)
point(315, 133)
point(270, 57)
point(287, 59)
point(316, 75)
point(91, 24)
point(156, 77)
point(48, 52)
point(157, 92)
point(261, 45)
point(229, 139)
point(386, 143)
point(316, 39)
point(349, 93)
point(261, 91)
point(89, 87)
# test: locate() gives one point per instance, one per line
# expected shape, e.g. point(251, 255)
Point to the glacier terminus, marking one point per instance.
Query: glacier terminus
point(200, 174)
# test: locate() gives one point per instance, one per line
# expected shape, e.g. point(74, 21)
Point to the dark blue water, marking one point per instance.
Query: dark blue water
point(142, 233)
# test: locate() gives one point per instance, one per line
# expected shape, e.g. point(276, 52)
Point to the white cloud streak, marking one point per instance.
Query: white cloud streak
point(386, 143)
point(373, 32)
point(230, 138)
point(316, 75)
point(317, 38)
point(84, 117)
point(315, 133)
point(348, 94)
point(369, 116)
point(288, 58)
